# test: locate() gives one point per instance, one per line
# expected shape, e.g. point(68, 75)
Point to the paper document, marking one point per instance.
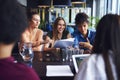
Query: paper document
point(63, 43)
point(58, 70)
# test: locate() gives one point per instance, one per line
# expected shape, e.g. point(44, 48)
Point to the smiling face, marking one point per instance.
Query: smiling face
point(83, 28)
point(35, 21)
point(60, 26)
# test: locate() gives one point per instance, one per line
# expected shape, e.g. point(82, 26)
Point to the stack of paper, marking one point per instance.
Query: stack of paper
point(58, 70)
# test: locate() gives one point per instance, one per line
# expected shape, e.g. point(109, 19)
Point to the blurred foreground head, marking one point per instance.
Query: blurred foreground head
point(108, 34)
point(13, 21)
point(107, 41)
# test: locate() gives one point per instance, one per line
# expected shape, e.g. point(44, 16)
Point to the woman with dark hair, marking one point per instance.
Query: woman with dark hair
point(13, 22)
point(58, 33)
point(104, 63)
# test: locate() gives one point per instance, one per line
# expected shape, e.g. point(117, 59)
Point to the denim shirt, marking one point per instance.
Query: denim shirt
point(79, 36)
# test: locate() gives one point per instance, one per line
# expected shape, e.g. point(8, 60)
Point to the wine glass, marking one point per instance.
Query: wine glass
point(25, 50)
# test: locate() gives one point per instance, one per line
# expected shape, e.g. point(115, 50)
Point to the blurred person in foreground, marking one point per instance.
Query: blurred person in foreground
point(32, 34)
point(13, 22)
point(84, 36)
point(57, 33)
point(104, 62)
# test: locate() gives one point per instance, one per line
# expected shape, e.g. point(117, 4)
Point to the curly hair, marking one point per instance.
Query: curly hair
point(81, 18)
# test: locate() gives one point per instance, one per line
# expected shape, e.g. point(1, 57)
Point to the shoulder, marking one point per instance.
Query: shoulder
point(19, 68)
point(76, 32)
point(66, 31)
point(94, 58)
point(91, 31)
point(39, 31)
point(31, 74)
point(66, 34)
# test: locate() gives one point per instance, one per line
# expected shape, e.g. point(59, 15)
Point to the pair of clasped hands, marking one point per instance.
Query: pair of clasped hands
point(86, 45)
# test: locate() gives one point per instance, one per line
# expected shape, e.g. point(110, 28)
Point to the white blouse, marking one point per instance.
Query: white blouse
point(93, 68)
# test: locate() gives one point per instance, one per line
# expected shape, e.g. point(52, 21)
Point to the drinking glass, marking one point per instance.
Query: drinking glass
point(25, 50)
point(81, 51)
point(76, 51)
point(64, 55)
point(69, 53)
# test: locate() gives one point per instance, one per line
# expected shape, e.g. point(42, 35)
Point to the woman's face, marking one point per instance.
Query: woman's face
point(83, 28)
point(61, 26)
point(35, 21)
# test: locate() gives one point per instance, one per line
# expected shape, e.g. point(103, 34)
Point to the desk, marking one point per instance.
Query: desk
point(41, 59)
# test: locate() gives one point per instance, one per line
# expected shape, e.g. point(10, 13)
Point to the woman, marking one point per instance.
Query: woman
point(58, 33)
point(32, 34)
point(104, 63)
point(84, 36)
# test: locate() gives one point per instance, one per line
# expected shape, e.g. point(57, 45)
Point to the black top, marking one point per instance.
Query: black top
point(64, 36)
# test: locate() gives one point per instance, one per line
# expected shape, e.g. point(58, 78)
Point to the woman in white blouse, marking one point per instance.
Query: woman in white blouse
point(104, 62)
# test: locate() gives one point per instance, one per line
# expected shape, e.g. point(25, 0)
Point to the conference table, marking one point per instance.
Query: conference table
point(42, 59)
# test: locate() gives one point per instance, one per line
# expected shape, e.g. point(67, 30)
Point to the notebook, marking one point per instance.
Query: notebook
point(59, 70)
point(77, 60)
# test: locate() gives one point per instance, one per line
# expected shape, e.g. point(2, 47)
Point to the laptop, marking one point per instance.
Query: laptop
point(77, 60)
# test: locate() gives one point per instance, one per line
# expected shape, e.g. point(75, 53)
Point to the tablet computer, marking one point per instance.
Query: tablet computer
point(77, 60)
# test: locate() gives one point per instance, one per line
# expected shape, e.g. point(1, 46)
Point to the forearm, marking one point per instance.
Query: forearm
point(37, 43)
point(56, 50)
point(49, 49)
point(37, 48)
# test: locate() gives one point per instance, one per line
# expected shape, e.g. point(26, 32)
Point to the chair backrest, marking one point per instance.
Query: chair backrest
point(70, 29)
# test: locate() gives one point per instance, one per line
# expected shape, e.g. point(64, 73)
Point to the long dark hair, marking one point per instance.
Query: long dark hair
point(108, 38)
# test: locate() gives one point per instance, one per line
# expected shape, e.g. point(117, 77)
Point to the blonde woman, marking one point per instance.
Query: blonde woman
point(32, 34)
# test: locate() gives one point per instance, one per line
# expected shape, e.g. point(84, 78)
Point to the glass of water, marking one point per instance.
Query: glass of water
point(25, 50)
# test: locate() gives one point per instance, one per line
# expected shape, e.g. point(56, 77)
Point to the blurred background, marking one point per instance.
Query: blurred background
point(49, 10)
